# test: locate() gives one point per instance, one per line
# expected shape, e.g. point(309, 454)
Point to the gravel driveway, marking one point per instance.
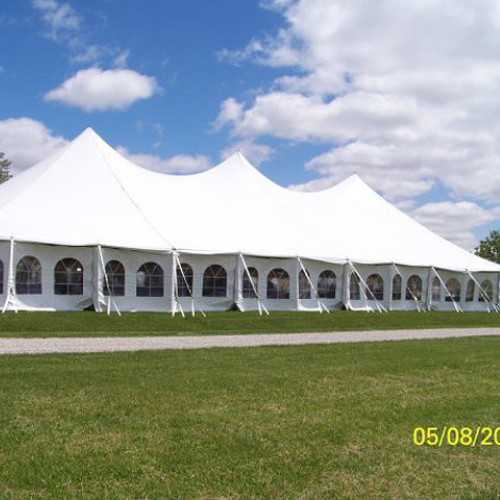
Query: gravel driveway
point(107, 344)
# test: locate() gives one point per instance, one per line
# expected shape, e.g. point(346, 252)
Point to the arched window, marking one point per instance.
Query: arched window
point(436, 289)
point(469, 292)
point(453, 287)
point(304, 285)
point(375, 285)
point(149, 280)
point(184, 280)
point(396, 287)
point(248, 289)
point(327, 285)
point(68, 277)
point(215, 281)
point(115, 284)
point(29, 276)
point(278, 284)
point(487, 291)
point(354, 290)
point(1, 276)
point(414, 287)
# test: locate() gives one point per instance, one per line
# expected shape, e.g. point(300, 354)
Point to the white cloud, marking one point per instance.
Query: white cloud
point(231, 112)
point(89, 54)
point(180, 164)
point(121, 59)
point(26, 142)
point(60, 18)
point(404, 93)
point(253, 152)
point(66, 26)
point(96, 89)
point(455, 221)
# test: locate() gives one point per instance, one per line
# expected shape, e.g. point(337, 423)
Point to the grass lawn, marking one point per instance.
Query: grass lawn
point(280, 423)
point(75, 324)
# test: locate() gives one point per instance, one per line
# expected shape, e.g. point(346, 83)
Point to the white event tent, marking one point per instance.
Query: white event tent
point(86, 228)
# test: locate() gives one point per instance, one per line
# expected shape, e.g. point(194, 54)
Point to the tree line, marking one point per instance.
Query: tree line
point(5, 173)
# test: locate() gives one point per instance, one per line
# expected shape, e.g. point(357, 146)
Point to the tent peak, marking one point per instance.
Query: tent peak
point(88, 132)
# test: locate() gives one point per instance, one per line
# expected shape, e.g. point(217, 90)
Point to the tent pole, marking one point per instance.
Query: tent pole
point(483, 293)
point(238, 295)
point(260, 304)
point(111, 301)
point(175, 291)
point(321, 305)
point(380, 307)
point(297, 291)
point(457, 307)
point(407, 288)
point(346, 292)
point(98, 294)
point(429, 290)
point(10, 280)
point(193, 303)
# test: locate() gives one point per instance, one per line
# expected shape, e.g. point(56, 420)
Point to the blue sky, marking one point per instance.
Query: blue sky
point(310, 90)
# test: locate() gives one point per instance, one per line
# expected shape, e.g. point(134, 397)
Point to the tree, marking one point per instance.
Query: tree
point(489, 248)
point(5, 174)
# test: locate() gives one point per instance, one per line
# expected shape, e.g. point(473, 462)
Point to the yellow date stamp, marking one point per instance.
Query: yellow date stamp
point(456, 436)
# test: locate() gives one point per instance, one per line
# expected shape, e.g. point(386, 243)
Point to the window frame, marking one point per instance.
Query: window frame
point(184, 286)
point(488, 290)
point(281, 289)
point(149, 289)
point(396, 294)
point(449, 294)
point(370, 285)
point(247, 291)
point(414, 291)
point(470, 291)
point(305, 291)
point(354, 287)
point(325, 289)
point(31, 286)
point(112, 286)
point(215, 281)
point(68, 280)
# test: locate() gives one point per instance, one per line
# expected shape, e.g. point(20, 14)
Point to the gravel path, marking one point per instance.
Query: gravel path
point(107, 344)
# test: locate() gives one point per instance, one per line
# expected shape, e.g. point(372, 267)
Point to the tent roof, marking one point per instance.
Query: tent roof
point(88, 194)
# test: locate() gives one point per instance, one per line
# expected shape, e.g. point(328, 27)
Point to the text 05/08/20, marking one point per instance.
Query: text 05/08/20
point(456, 436)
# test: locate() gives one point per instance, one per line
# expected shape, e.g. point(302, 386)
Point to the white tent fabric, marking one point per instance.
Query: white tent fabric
point(88, 195)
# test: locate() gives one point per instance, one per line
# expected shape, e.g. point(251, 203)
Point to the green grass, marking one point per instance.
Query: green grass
point(280, 423)
point(74, 324)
